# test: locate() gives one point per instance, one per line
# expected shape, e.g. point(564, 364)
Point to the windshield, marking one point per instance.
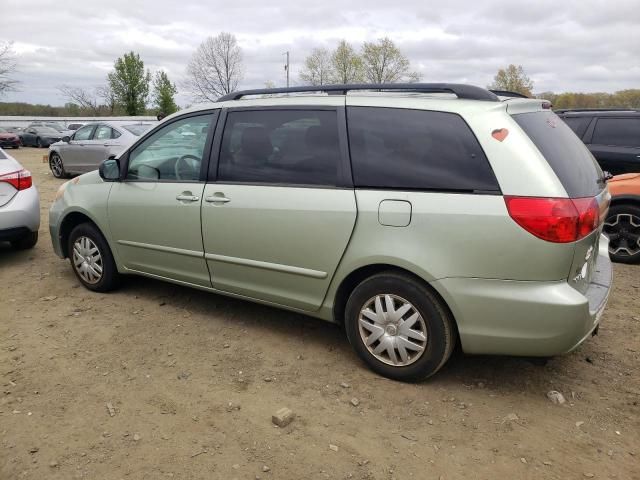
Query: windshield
point(2, 130)
point(55, 126)
point(137, 129)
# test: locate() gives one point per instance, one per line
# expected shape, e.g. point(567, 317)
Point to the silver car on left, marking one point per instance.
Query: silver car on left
point(91, 144)
point(19, 204)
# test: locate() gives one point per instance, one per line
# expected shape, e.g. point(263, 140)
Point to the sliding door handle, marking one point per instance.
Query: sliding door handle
point(217, 199)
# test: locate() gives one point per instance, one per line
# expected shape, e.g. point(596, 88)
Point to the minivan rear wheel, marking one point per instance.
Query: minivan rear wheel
point(398, 326)
point(91, 259)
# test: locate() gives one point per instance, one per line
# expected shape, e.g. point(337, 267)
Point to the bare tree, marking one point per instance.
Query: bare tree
point(7, 68)
point(215, 68)
point(108, 97)
point(84, 98)
point(385, 63)
point(318, 69)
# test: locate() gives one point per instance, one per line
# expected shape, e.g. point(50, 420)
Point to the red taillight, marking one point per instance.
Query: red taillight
point(21, 179)
point(559, 220)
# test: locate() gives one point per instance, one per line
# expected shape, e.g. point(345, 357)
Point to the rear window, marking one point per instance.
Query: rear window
point(571, 161)
point(416, 149)
point(578, 124)
point(137, 130)
point(619, 132)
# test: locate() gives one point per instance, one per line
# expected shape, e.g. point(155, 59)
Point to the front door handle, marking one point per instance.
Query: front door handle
point(184, 197)
point(217, 198)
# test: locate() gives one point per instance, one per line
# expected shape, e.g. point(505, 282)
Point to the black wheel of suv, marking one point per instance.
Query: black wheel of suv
point(91, 259)
point(399, 327)
point(26, 242)
point(622, 226)
point(56, 166)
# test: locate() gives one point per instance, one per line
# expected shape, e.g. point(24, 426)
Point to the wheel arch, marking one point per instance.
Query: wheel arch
point(353, 279)
point(625, 200)
point(69, 222)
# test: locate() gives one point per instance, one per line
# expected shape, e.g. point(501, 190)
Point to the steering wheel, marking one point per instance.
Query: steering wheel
point(187, 167)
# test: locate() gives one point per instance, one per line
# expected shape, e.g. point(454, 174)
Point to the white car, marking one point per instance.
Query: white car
point(91, 144)
point(19, 204)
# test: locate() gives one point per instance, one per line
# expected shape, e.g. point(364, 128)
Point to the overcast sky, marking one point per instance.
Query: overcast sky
point(563, 45)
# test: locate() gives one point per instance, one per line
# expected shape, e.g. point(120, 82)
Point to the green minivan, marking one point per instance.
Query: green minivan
point(418, 216)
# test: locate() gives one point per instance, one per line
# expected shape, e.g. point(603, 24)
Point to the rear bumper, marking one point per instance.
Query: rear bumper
point(502, 317)
point(22, 211)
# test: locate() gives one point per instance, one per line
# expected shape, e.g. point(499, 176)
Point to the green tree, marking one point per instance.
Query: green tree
point(130, 83)
point(513, 79)
point(318, 69)
point(346, 64)
point(383, 62)
point(163, 94)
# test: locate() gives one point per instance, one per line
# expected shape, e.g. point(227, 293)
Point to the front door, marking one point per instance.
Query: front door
point(154, 213)
point(73, 153)
point(278, 218)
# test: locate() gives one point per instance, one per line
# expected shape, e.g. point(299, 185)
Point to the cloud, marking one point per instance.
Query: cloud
point(588, 45)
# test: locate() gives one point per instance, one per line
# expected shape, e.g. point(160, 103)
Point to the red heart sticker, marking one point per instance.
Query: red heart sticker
point(500, 134)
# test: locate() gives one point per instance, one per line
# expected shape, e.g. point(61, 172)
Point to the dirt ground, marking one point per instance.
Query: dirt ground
point(193, 379)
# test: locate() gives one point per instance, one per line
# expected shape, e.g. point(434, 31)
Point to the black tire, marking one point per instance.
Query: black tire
point(26, 242)
point(441, 334)
point(62, 172)
point(624, 236)
point(110, 278)
point(38, 142)
point(16, 147)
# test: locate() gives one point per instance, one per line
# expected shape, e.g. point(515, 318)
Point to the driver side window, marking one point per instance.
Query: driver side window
point(173, 153)
point(84, 133)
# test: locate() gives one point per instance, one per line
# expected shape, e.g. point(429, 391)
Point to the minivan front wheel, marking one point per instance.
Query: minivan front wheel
point(399, 327)
point(91, 259)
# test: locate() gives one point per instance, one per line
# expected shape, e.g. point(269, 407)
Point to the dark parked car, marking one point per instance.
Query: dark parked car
point(39, 136)
point(8, 139)
point(613, 136)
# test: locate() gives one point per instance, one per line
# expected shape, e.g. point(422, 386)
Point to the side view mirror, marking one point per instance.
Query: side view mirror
point(109, 170)
point(66, 139)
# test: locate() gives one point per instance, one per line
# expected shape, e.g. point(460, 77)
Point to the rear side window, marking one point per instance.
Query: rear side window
point(619, 132)
point(416, 149)
point(295, 147)
point(569, 158)
point(578, 124)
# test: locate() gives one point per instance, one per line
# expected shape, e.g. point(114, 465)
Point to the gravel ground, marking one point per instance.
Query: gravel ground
point(159, 381)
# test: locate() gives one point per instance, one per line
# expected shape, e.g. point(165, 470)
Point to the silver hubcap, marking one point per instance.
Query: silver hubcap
point(56, 165)
point(393, 330)
point(623, 231)
point(87, 260)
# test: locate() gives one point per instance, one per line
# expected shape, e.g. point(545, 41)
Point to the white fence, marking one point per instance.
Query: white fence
point(17, 121)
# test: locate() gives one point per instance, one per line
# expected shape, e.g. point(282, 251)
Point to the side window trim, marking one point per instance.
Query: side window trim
point(126, 155)
point(344, 179)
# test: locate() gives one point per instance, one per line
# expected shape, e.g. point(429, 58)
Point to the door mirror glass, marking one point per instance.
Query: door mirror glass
point(66, 139)
point(110, 170)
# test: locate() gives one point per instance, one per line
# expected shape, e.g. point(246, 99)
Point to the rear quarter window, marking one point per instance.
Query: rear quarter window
point(569, 158)
point(416, 150)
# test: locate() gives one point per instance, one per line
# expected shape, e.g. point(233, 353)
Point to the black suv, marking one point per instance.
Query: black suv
point(612, 135)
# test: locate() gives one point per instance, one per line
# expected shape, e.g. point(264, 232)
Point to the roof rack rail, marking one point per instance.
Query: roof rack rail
point(469, 92)
point(509, 93)
point(613, 109)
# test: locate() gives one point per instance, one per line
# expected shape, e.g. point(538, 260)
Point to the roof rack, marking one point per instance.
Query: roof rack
point(509, 93)
point(614, 109)
point(469, 92)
